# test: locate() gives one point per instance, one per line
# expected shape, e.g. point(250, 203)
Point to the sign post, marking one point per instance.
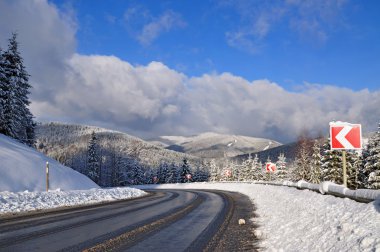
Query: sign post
point(345, 136)
point(344, 168)
point(47, 176)
point(270, 168)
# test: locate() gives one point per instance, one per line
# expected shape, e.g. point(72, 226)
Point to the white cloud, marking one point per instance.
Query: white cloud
point(155, 100)
point(147, 28)
point(47, 39)
point(314, 21)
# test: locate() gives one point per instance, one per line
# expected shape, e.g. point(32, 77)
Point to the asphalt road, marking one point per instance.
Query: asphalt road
point(166, 220)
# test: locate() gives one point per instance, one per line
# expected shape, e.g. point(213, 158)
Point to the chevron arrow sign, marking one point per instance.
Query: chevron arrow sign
point(345, 136)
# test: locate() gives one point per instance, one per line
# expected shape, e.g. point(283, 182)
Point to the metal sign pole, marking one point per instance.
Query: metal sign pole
point(47, 176)
point(344, 168)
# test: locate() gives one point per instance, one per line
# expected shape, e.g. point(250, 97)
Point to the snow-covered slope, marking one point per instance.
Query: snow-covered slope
point(23, 168)
point(213, 145)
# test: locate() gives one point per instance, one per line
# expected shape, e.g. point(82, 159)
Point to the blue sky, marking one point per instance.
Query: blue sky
point(288, 42)
point(272, 69)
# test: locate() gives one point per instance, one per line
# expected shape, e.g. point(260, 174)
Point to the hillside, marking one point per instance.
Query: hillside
point(23, 168)
point(213, 145)
point(68, 144)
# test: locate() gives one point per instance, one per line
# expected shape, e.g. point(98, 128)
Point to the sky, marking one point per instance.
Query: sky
point(259, 68)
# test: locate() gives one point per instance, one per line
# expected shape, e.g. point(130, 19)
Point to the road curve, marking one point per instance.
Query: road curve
point(166, 220)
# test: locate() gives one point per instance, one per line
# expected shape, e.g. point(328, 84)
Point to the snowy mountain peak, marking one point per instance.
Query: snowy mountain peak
point(215, 145)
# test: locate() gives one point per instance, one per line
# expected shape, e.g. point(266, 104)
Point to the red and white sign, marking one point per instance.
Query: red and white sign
point(345, 136)
point(270, 167)
point(228, 173)
point(188, 176)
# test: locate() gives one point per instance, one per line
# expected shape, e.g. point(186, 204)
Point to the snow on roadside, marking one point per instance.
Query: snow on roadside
point(302, 220)
point(29, 201)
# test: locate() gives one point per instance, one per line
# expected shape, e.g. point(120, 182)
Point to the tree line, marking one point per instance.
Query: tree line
point(16, 120)
point(125, 170)
point(315, 162)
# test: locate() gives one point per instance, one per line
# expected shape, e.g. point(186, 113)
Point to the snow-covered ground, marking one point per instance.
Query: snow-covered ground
point(23, 168)
point(23, 182)
point(30, 201)
point(302, 220)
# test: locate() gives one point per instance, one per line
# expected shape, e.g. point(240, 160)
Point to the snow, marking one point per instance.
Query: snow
point(301, 220)
point(23, 168)
point(30, 201)
point(22, 182)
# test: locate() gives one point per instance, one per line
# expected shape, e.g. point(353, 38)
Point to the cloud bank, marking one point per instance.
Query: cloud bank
point(154, 100)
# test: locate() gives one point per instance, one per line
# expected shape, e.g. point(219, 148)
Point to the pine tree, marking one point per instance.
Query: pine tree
point(332, 165)
point(353, 164)
point(93, 171)
point(118, 177)
point(134, 175)
point(315, 172)
point(186, 175)
point(163, 173)
point(16, 119)
point(3, 86)
point(371, 161)
point(302, 161)
point(246, 169)
point(281, 173)
point(214, 171)
point(173, 176)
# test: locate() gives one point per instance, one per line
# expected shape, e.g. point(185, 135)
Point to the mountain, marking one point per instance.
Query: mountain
point(68, 143)
point(289, 150)
point(213, 145)
point(23, 168)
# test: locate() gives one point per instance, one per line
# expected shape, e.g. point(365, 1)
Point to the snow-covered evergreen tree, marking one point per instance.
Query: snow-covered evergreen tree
point(163, 173)
point(315, 172)
point(372, 161)
point(173, 176)
point(17, 120)
point(186, 175)
point(246, 169)
point(93, 171)
point(134, 174)
point(281, 173)
point(214, 171)
point(302, 160)
point(118, 172)
point(331, 164)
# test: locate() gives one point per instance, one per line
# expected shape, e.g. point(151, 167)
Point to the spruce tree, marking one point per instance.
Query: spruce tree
point(315, 172)
point(134, 174)
point(281, 173)
point(17, 120)
point(214, 171)
point(93, 171)
point(371, 161)
point(186, 175)
point(302, 160)
point(173, 174)
point(163, 173)
point(332, 165)
point(246, 169)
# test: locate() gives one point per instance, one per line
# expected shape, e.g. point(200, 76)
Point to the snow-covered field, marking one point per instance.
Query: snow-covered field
point(302, 220)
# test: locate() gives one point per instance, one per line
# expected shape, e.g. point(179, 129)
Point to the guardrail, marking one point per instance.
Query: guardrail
point(327, 187)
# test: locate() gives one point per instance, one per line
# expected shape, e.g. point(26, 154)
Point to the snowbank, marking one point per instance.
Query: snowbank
point(302, 220)
point(30, 201)
point(23, 168)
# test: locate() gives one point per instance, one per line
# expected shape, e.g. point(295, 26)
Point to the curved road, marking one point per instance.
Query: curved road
point(165, 220)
